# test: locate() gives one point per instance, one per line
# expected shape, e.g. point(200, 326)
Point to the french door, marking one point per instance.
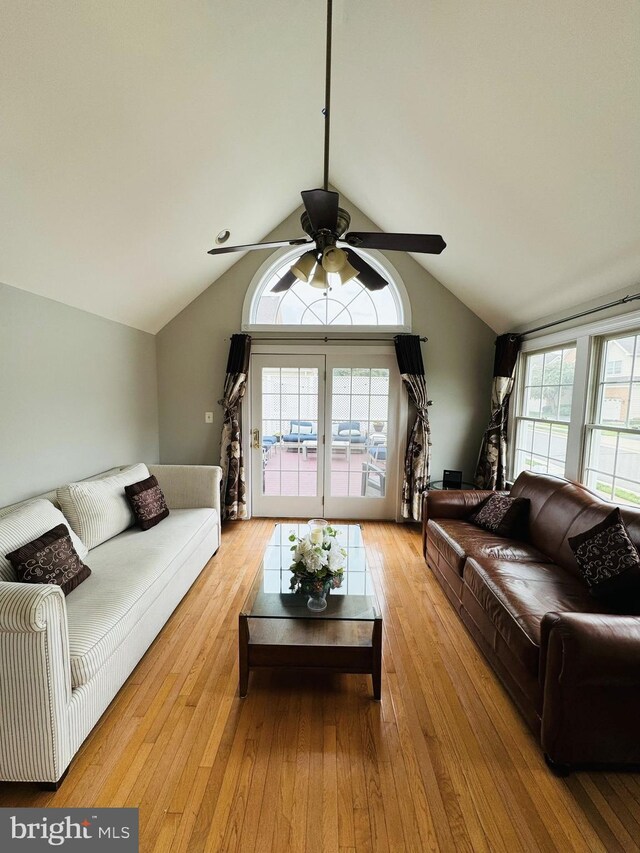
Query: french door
point(324, 435)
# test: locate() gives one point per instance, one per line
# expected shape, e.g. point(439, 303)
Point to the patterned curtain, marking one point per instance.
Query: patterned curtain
point(417, 460)
point(234, 502)
point(491, 471)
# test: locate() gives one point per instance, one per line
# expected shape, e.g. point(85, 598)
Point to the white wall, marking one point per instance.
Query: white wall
point(78, 394)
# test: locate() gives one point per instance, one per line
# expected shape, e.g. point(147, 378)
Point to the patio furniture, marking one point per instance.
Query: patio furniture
point(374, 478)
point(350, 431)
point(299, 432)
point(336, 447)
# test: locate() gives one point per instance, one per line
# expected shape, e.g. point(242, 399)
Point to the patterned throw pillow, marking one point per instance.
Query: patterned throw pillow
point(24, 524)
point(609, 561)
point(502, 515)
point(51, 558)
point(147, 502)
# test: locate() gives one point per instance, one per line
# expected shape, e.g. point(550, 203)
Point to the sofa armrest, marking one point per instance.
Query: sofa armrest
point(453, 503)
point(449, 503)
point(189, 486)
point(35, 683)
point(591, 688)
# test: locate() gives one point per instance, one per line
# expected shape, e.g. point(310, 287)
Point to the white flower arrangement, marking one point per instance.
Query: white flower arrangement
point(318, 559)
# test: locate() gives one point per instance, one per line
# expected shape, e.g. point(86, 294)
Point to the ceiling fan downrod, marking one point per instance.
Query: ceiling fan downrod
point(327, 225)
point(327, 95)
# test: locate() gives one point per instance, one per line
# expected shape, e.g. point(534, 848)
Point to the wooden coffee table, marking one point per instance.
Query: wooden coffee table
point(277, 630)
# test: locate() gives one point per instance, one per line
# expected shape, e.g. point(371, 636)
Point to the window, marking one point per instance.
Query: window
point(613, 437)
point(543, 412)
point(348, 305)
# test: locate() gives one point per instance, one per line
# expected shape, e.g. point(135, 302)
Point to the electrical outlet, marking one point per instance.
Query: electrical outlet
point(208, 417)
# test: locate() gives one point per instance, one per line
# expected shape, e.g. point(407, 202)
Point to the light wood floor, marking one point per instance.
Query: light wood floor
point(443, 762)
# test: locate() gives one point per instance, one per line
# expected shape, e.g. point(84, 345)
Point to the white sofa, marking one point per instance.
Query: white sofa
point(63, 660)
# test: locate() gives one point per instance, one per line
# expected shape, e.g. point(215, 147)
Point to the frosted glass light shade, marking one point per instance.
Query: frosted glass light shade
point(347, 273)
point(319, 278)
point(303, 267)
point(333, 259)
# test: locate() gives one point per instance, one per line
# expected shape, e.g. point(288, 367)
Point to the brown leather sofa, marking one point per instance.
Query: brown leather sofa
point(570, 664)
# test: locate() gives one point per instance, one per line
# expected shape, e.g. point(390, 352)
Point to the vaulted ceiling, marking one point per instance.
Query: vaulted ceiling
point(133, 131)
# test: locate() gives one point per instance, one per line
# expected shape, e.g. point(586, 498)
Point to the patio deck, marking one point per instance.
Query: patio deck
point(290, 472)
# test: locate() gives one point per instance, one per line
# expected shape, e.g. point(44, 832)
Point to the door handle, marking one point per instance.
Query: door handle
point(256, 438)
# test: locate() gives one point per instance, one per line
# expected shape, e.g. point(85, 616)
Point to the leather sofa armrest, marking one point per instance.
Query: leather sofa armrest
point(449, 503)
point(452, 503)
point(590, 672)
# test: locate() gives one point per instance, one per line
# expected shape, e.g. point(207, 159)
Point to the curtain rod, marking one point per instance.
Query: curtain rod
point(586, 313)
point(326, 339)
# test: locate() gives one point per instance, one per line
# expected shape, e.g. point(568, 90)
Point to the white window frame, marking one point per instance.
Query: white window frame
point(516, 415)
point(264, 273)
point(592, 425)
point(586, 338)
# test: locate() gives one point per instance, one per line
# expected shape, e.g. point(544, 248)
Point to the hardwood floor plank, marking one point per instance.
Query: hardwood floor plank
point(309, 762)
point(165, 839)
point(301, 794)
point(346, 829)
point(251, 818)
point(277, 704)
point(329, 808)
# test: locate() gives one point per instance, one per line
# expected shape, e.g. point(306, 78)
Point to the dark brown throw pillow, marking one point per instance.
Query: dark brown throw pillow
point(609, 562)
point(502, 515)
point(147, 502)
point(51, 558)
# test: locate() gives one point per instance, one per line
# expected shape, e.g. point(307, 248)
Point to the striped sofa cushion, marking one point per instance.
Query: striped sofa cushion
point(27, 523)
point(130, 574)
point(98, 509)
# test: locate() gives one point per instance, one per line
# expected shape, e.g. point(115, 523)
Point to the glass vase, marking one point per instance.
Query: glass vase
point(316, 592)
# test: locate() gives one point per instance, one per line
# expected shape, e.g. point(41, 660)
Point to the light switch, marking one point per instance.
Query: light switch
point(208, 417)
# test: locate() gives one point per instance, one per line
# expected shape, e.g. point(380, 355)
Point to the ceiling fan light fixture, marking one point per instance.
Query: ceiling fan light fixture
point(319, 278)
point(347, 273)
point(303, 267)
point(334, 259)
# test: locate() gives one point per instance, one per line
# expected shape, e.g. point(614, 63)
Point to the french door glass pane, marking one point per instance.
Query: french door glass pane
point(359, 429)
point(290, 431)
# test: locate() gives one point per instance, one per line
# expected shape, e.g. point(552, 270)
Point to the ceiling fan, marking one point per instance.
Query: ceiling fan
point(326, 224)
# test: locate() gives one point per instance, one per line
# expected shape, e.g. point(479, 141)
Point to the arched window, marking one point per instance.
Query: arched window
point(339, 306)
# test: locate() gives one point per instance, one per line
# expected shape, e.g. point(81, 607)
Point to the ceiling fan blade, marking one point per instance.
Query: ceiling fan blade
point(285, 282)
point(430, 244)
point(369, 277)
point(322, 207)
point(222, 250)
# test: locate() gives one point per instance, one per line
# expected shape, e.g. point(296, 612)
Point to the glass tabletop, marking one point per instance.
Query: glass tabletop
point(270, 596)
point(439, 484)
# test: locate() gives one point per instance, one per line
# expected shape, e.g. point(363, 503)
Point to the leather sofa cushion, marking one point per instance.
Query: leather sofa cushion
point(516, 595)
point(456, 540)
point(560, 509)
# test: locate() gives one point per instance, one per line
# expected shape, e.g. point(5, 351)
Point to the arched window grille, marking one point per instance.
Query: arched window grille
point(339, 306)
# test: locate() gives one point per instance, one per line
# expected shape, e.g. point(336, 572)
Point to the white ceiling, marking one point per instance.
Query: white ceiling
point(132, 131)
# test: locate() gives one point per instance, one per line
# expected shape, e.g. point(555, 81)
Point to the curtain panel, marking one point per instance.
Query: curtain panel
point(491, 471)
point(417, 461)
point(233, 486)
